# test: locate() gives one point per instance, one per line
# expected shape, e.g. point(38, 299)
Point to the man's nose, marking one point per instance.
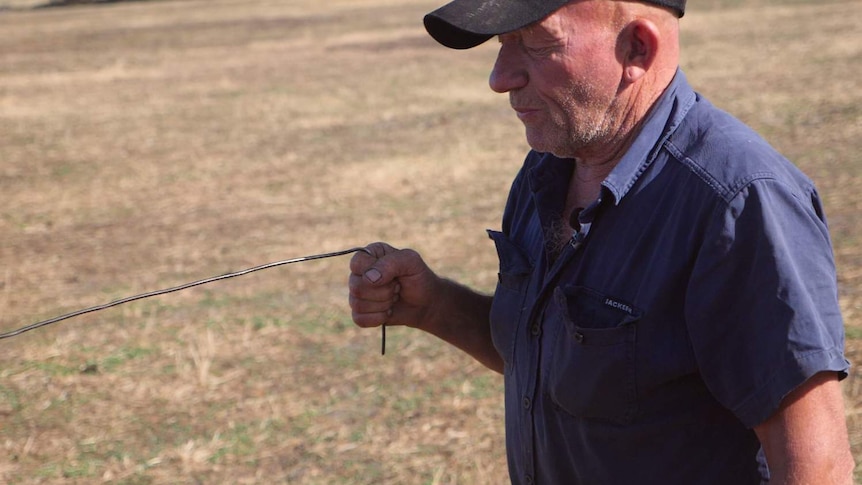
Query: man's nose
point(508, 73)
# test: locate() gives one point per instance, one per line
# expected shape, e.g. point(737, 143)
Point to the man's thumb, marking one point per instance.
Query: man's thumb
point(373, 275)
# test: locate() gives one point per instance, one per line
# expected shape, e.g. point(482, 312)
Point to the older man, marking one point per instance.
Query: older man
point(666, 309)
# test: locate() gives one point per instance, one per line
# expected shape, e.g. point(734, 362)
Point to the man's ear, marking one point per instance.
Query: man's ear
point(640, 41)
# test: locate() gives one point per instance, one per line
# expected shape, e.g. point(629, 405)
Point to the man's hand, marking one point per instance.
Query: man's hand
point(390, 286)
point(395, 287)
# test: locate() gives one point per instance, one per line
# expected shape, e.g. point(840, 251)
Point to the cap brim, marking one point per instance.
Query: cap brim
point(462, 24)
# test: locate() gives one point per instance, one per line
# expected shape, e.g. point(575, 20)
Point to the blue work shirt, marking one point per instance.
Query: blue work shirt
point(700, 290)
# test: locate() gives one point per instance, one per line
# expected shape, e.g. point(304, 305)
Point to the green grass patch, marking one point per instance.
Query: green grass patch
point(853, 332)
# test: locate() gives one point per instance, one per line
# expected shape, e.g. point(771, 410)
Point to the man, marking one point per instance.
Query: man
point(667, 308)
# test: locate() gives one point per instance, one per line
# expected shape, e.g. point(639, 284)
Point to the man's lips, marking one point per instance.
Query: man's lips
point(526, 113)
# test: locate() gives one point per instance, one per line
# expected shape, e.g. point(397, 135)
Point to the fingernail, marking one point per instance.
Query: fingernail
point(373, 275)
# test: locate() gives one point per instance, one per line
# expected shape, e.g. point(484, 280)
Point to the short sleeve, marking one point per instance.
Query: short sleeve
point(761, 305)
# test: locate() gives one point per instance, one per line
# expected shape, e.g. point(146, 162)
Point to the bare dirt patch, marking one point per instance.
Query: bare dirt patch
point(150, 144)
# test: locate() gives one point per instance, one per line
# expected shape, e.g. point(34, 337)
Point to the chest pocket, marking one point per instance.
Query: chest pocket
point(508, 306)
point(592, 373)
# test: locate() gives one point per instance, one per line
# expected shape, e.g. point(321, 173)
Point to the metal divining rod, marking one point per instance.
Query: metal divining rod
point(141, 296)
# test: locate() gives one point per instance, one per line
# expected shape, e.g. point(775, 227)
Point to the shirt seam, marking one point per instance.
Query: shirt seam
point(727, 192)
point(766, 394)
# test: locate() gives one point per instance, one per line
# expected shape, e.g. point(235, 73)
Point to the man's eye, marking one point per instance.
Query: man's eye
point(539, 51)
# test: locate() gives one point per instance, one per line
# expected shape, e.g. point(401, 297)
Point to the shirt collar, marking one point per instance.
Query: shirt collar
point(551, 174)
point(663, 119)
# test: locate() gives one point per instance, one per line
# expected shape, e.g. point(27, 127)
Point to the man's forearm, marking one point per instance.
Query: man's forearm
point(460, 317)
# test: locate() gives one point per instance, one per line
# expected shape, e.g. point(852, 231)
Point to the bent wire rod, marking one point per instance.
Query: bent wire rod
point(185, 286)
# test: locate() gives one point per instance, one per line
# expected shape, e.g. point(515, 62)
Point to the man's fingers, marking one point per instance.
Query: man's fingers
point(376, 281)
point(362, 260)
point(371, 306)
point(393, 265)
point(379, 249)
point(361, 289)
point(368, 320)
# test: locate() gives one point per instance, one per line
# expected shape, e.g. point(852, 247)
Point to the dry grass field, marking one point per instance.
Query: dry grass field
point(145, 145)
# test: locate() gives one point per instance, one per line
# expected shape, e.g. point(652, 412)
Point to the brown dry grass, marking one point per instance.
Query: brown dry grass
point(146, 145)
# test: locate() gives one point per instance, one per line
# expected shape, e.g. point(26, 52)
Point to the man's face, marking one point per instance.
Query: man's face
point(563, 77)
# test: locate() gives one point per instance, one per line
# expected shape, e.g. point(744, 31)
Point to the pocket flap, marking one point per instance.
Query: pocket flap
point(512, 259)
point(588, 308)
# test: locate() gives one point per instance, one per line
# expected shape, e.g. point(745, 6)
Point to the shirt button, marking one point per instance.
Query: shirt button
point(528, 479)
point(579, 337)
point(536, 329)
point(527, 403)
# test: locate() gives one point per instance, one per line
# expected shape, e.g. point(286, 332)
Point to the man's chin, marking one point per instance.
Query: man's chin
point(542, 146)
point(537, 142)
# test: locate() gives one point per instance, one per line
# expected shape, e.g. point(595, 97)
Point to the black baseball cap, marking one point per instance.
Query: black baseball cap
point(462, 24)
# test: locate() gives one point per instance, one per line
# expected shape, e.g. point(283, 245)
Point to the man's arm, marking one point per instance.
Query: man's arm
point(462, 320)
point(806, 440)
point(396, 287)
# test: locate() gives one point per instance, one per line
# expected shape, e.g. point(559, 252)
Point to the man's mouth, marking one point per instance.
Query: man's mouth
point(526, 113)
